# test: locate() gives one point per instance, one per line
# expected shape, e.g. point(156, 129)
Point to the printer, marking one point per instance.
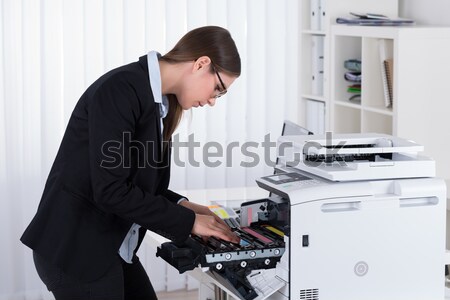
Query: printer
point(350, 216)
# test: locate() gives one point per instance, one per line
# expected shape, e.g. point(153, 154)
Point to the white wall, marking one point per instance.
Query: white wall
point(429, 12)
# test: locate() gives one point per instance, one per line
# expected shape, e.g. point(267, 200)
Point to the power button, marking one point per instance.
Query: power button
point(305, 240)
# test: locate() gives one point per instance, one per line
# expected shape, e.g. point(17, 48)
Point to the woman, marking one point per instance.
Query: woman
point(109, 181)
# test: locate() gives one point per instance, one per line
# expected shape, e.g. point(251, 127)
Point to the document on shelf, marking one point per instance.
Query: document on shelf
point(369, 16)
point(375, 21)
point(353, 76)
point(353, 65)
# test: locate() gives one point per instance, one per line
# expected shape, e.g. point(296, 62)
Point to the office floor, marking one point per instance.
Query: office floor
point(185, 295)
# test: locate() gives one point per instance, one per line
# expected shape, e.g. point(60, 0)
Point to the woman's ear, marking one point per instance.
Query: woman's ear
point(201, 63)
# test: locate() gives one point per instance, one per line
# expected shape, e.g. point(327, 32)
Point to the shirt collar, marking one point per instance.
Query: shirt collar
point(155, 82)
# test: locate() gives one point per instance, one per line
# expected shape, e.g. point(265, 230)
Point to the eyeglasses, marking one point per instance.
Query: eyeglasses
point(224, 89)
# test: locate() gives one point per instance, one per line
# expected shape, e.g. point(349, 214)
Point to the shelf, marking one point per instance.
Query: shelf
point(314, 32)
point(348, 104)
point(314, 97)
point(391, 32)
point(386, 32)
point(420, 110)
point(344, 48)
point(319, 31)
point(380, 110)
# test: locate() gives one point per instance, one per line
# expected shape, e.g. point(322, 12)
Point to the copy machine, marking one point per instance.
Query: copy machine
point(355, 216)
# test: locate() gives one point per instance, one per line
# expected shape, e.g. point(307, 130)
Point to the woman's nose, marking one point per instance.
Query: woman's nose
point(212, 101)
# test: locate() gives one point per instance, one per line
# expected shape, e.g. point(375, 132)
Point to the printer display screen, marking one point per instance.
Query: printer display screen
point(285, 178)
point(279, 177)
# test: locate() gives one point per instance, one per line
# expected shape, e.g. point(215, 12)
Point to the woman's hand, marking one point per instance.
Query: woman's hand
point(208, 223)
point(202, 210)
point(206, 226)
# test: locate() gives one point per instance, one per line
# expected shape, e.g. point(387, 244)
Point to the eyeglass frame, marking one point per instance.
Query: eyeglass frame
point(224, 91)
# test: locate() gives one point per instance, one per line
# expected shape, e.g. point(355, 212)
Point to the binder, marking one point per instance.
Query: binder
point(314, 14)
point(322, 15)
point(317, 65)
point(387, 72)
point(315, 116)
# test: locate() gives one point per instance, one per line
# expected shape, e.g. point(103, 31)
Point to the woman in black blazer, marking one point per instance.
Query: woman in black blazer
point(109, 182)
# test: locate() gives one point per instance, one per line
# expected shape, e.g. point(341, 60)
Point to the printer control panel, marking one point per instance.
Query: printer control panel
point(284, 182)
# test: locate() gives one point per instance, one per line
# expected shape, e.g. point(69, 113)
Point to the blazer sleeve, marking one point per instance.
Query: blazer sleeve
point(174, 197)
point(115, 108)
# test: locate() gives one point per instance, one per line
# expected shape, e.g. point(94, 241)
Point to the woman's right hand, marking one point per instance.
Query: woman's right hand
point(207, 225)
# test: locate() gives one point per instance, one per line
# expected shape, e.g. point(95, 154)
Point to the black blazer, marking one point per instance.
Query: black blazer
point(110, 172)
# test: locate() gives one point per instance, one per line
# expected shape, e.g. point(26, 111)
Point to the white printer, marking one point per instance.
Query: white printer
point(367, 219)
point(354, 217)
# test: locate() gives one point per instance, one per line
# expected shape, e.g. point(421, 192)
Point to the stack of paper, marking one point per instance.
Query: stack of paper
point(354, 76)
point(373, 20)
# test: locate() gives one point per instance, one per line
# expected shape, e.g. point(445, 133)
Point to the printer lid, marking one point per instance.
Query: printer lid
point(359, 156)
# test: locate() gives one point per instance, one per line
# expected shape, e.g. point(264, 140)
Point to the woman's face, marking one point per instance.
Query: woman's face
point(203, 84)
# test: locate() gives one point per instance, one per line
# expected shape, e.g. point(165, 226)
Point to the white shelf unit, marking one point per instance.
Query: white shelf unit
point(421, 86)
point(314, 102)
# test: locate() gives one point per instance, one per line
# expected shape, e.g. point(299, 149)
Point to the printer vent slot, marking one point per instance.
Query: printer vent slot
point(309, 294)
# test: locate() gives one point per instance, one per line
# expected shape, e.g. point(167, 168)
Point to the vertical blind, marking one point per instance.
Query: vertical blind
point(52, 50)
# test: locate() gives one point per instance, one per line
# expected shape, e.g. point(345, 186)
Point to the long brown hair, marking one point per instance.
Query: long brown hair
point(212, 41)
